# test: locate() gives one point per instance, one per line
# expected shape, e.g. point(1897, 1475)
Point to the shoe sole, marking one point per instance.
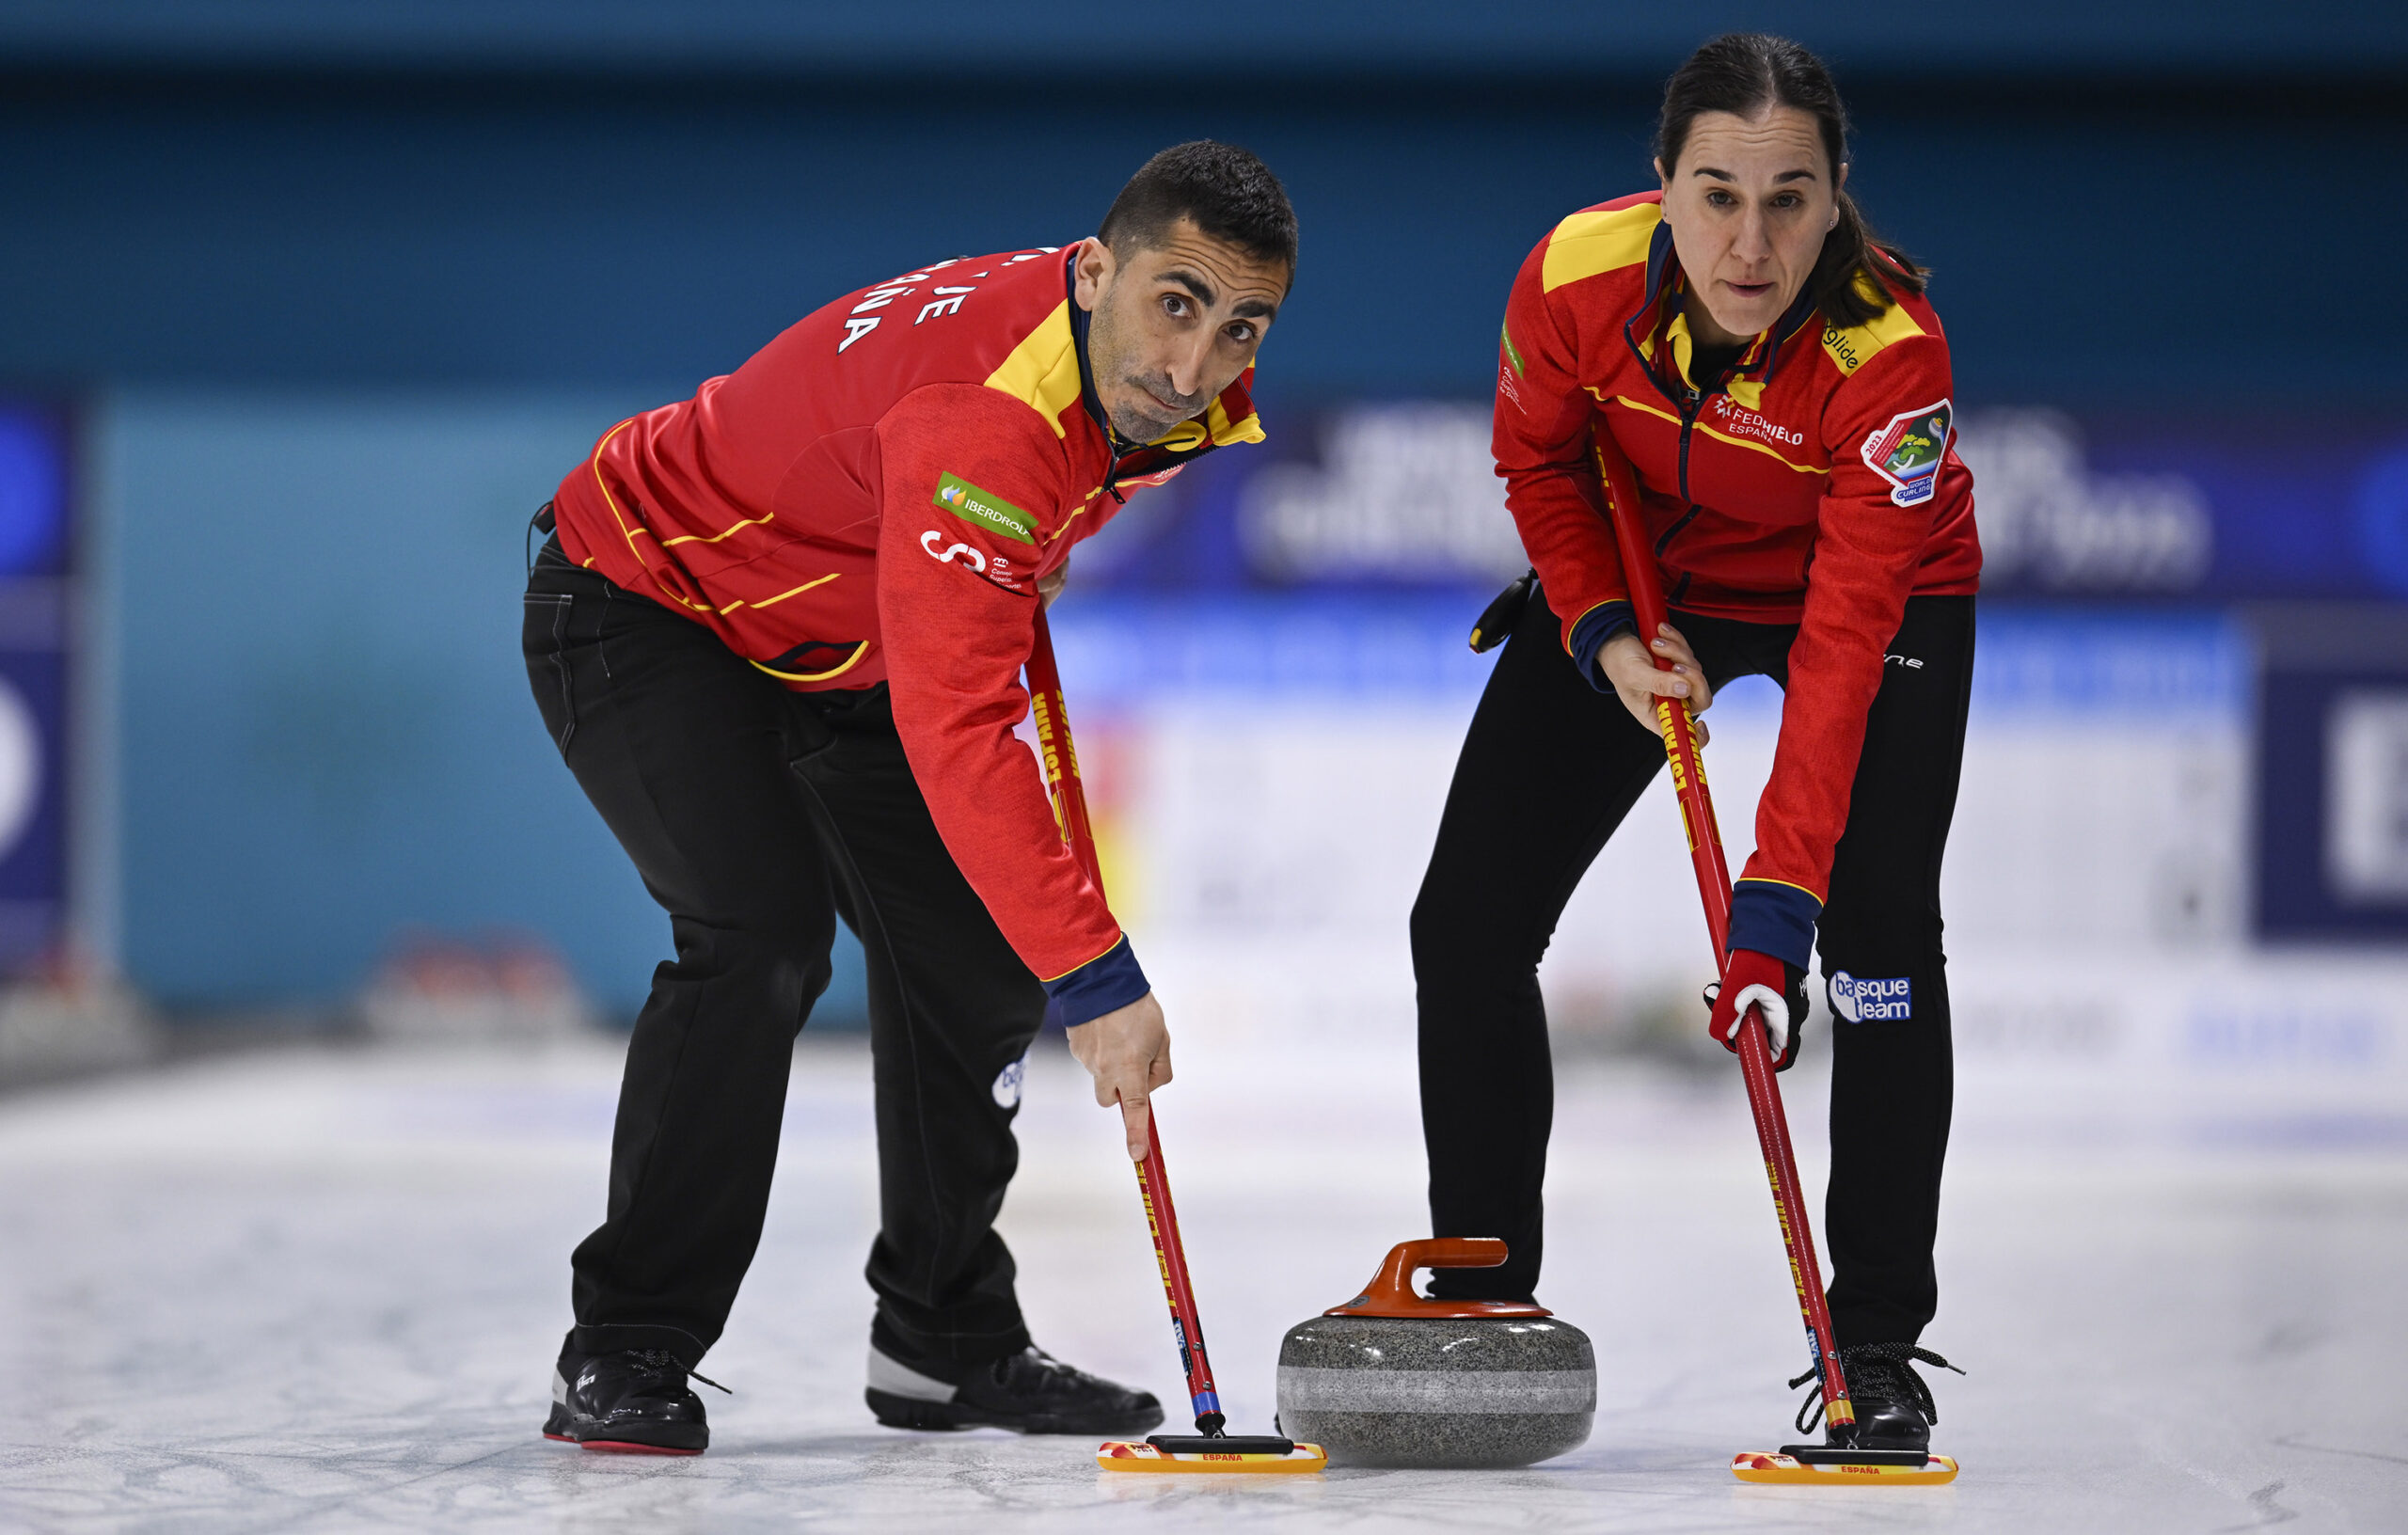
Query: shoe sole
point(947, 1416)
point(561, 1435)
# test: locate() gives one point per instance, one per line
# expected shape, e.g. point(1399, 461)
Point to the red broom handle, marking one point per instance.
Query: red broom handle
point(1153, 1182)
point(1678, 726)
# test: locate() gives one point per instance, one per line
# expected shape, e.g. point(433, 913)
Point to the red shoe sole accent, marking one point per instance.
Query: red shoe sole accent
point(621, 1447)
point(560, 1438)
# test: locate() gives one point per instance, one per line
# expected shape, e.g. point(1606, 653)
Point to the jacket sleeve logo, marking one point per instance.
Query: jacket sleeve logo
point(950, 552)
point(985, 509)
point(1906, 452)
point(1512, 353)
point(1509, 368)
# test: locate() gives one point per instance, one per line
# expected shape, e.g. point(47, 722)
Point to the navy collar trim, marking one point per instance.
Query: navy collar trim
point(1080, 320)
point(1663, 270)
point(1129, 459)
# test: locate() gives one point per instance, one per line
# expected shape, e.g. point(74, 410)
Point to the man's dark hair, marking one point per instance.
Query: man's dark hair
point(1748, 73)
point(1230, 194)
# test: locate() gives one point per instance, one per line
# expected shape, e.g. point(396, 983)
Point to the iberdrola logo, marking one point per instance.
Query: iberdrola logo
point(985, 509)
point(1906, 452)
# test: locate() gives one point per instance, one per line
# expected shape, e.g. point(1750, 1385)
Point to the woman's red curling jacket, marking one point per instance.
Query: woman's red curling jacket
point(1818, 484)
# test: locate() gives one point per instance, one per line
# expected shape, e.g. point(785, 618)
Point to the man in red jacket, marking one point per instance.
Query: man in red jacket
point(777, 635)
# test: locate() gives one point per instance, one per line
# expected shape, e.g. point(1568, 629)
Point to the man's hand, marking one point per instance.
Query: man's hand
point(1049, 585)
point(1630, 667)
point(1128, 1050)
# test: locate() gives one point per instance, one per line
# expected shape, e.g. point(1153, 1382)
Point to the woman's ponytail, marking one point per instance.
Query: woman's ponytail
point(1859, 274)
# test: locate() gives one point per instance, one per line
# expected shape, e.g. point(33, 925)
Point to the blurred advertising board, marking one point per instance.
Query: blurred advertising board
point(2332, 772)
point(37, 546)
point(2072, 505)
point(1270, 655)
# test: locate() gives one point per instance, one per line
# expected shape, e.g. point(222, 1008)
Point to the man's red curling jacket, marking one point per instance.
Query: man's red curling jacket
point(1817, 485)
point(872, 499)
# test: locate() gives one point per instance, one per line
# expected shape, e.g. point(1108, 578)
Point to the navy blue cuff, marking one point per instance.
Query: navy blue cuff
point(1776, 919)
point(1104, 984)
point(1597, 625)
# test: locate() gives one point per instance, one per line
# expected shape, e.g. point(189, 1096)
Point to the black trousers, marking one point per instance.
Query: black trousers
point(1550, 769)
point(757, 817)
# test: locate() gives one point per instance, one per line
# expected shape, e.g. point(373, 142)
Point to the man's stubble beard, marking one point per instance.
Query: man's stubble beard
point(1137, 428)
point(1137, 425)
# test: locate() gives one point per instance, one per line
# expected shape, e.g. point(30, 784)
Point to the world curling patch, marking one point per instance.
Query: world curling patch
point(1907, 451)
point(1870, 1001)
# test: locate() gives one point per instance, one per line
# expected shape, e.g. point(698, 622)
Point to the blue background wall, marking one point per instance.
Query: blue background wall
point(323, 730)
point(751, 37)
point(504, 194)
point(343, 290)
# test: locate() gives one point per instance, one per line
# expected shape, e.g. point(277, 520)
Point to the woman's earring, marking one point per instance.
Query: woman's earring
point(1835, 220)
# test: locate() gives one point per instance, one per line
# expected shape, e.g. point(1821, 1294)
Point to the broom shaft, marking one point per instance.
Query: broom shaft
point(1678, 727)
point(1153, 1180)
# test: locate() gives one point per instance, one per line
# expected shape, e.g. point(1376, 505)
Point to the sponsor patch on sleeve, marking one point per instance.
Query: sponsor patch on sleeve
point(985, 509)
point(1871, 1001)
point(1906, 452)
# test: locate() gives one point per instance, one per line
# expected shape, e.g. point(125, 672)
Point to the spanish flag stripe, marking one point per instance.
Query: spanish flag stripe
point(1043, 369)
point(1721, 436)
point(859, 650)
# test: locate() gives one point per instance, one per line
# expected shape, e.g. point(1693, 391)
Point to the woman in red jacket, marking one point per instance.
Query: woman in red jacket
point(1781, 386)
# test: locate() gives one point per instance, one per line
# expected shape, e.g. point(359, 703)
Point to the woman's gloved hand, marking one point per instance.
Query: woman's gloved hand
point(1773, 987)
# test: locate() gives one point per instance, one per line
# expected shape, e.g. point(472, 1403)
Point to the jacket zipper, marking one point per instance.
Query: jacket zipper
point(1689, 420)
point(1689, 408)
point(1120, 454)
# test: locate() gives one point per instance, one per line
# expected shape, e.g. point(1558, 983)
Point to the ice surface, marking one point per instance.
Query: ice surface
point(321, 1289)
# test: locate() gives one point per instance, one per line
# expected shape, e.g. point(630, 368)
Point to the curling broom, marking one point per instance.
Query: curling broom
point(1211, 1447)
point(1838, 1462)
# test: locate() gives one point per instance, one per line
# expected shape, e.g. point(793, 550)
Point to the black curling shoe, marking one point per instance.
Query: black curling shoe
point(1029, 1392)
point(1893, 1407)
point(635, 1401)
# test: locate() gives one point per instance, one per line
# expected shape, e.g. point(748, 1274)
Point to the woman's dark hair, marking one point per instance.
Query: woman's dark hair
point(1230, 194)
point(1746, 73)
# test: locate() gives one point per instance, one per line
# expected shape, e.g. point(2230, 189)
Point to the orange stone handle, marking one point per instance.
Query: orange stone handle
point(1390, 1292)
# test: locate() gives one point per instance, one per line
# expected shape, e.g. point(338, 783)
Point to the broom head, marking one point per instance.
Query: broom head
point(1196, 1452)
point(1822, 1465)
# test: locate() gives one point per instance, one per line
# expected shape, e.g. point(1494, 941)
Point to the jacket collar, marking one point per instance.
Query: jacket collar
point(1648, 330)
point(1229, 418)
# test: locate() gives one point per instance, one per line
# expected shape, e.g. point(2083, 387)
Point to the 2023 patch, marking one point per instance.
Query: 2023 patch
point(1907, 451)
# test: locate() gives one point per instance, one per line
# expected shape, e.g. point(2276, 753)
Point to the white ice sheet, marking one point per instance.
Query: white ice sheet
point(321, 1290)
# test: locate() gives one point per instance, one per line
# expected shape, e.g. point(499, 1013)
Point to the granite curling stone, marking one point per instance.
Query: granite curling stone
point(1391, 1379)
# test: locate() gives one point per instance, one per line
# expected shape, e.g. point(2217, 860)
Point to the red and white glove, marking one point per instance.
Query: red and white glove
point(1774, 988)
